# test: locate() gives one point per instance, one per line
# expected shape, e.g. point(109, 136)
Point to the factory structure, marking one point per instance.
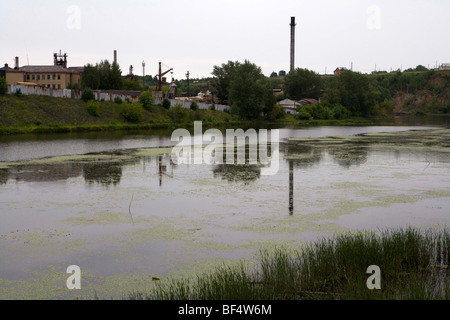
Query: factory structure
point(56, 76)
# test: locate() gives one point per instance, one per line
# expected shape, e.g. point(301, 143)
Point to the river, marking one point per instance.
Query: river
point(117, 206)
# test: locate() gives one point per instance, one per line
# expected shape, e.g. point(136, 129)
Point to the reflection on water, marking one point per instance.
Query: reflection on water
point(102, 173)
point(136, 211)
point(237, 173)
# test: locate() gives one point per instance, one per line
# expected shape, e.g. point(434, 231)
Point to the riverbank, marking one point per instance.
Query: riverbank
point(403, 264)
point(39, 114)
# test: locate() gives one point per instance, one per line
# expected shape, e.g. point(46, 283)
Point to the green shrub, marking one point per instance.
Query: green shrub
point(166, 104)
point(303, 115)
point(131, 112)
point(3, 86)
point(276, 113)
point(213, 107)
point(146, 99)
point(18, 93)
point(194, 106)
point(118, 100)
point(87, 95)
point(178, 114)
point(92, 107)
point(340, 112)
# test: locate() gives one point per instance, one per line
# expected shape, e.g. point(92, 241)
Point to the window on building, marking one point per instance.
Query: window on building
point(54, 87)
point(48, 77)
point(38, 77)
point(54, 76)
point(28, 77)
point(59, 77)
point(32, 77)
point(59, 86)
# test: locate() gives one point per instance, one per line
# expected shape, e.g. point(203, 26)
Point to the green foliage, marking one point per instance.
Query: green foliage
point(322, 111)
point(118, 100)
point(213, 107)
point(250, 93)
point(93, 107)
point(223, 75)
point(103, 76)
point(303, 83)
point(3, 86)
point(18, 93)
point(131, 112)
point(340, 112)
point(178, 114)
point(166, 104)
point(411, 262)
point(352, 90)
point(276, 113)
point(87, 95)
point(146, 99)
point(90, 77)
point(129, 84)
point(194, 106)
point(384, 108)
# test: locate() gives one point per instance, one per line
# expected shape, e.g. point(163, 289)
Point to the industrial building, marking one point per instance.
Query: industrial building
point(56, 76)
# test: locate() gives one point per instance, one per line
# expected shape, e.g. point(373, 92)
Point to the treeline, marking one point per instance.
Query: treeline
point(249, 92)
point(107, 76)
point(356, 94)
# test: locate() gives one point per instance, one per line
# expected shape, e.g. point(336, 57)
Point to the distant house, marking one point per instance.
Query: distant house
point(445, 67)
point(338, 71)
point(290, 106)
point(4, 69)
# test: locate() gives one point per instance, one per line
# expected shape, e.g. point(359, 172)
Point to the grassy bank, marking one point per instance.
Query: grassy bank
point(39, 114)
point(36, 114)
point(413, 263)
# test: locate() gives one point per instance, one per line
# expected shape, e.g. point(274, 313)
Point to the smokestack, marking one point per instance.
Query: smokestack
point(115, 56)
point(16, 66)
point(293, 24)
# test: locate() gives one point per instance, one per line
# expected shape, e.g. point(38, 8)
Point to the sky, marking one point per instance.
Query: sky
point(196, 35)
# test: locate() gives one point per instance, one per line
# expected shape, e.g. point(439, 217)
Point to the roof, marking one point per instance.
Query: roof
point(5, 68)
point(309, 101)
point(76, 69)
point(43, 69)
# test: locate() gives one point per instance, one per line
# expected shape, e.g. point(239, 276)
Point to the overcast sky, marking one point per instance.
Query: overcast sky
point(195, 35)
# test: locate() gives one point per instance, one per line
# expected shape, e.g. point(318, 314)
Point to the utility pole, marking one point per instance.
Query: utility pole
point(187, 76)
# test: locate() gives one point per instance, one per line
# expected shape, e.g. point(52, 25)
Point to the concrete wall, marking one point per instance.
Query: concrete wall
point(102, 94)
point(187, 104)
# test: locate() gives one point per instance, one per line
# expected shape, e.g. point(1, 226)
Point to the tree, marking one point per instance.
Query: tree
point(223, 75)
point(3, 86)
point(90, 77)
point(353, 91)
point(146, 99)
point(303, 83)
point(105, 76)
point(129, 84)
point(421, 68)
point(250, 93)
